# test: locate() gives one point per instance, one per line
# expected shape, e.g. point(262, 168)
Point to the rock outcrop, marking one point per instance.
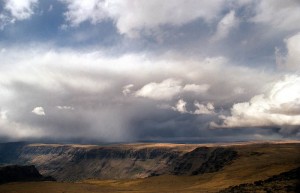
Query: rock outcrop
point(16, 173)
point(286, 182)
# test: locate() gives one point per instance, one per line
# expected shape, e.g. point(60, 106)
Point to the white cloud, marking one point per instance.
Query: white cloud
point(164, 90)
point(281, 15)
point(227, 23)
point(290, 60)
point(199, 89)
point(280, 107)
point(169, 88)
point(127, 89)
point(132, 16)
point(180, 106)
point(20, 10)
point(204, 109)
point(80, 11)
point(201, 109)
point(38, 111)
point(293, 56)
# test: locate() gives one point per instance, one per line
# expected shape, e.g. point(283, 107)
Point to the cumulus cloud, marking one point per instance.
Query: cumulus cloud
point(164, 90)
point(20, 10)
point(290, 60)
point(293, 48)
point(204, 109)
point(200, 109)
point(277, 108)
point(39, 111)
point(169, 88)
point(16, 10)
point(180, 106)
point(133, 16)
point(227, 23)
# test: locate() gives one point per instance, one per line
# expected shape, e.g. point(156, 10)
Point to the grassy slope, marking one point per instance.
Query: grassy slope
point(256, 162)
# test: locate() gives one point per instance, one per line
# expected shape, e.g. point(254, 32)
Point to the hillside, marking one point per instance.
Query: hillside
point(154, 167)
point(285, 182)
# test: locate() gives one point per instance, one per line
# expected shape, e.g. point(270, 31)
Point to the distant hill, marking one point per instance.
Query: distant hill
point(15, 173)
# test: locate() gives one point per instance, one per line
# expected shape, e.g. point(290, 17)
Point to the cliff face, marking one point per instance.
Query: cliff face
point(74, 162)
point(203, 160)
point(15, 173)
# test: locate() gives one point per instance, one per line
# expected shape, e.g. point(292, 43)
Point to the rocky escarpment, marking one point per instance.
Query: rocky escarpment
point(75, 162)
point(15, 173)
point(203, 160)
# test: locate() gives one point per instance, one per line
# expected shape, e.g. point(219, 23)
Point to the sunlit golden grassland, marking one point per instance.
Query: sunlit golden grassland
point(255, 162)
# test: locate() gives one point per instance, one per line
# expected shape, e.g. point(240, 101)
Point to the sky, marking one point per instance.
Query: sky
point(108, 71)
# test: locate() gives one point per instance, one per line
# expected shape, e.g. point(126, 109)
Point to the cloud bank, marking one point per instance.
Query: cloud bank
point(108, 98)
point(139, 70)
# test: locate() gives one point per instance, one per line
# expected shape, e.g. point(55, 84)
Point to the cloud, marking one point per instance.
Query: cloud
point(278, 14)
point(200, 109)
point(16, 10)
point(290, 60)
point(4, 21)
point(293, 48)
point(198, 89)
point(180, 106)
point(204, 109)
point(134, 16)
point(169, 88)
point(277, 108)
point(80, 11)
point(20, 10)
point(94, 84)
point(164, 90)
point(127, 89)
point(65, 107)
point(39, 111)
point(227, 23)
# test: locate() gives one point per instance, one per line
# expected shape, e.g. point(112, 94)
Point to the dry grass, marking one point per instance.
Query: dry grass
point(255, 162)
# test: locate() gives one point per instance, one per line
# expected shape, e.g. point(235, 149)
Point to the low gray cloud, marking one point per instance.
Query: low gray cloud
point(84, 95)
